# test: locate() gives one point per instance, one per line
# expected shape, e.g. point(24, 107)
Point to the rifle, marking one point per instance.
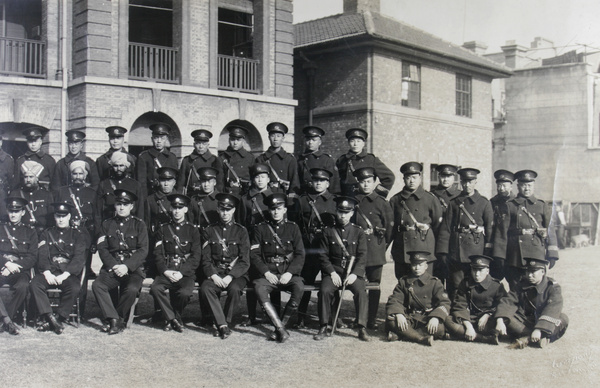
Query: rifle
point(285, 185)
point(337, 313)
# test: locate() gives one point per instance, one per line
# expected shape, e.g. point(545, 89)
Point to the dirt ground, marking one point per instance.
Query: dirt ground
point(145, 356)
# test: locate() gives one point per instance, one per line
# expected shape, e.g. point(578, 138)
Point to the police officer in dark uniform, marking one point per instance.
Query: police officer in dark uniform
point(526, 230)
point(341, 245)
point(373, 214)
point(236, 162)
point(116, 138)
point(159, 207)
point(61, 259)
point(313, 157)
point(38, 198)
point(7, 172)
point(18, 254)
point(504, 182)
point(225, 263)
point(419, 305)
point(204, 203)
point(283, 165)
point(35, 153)
point(177, 255)
point(277, 257)
point(474, 304)
point(314, 210)
point(467, 229)
point(151, 160)
point(188, 181)
point(123, 247)
point(62, 173)
point(358, 157)
point(417, 217)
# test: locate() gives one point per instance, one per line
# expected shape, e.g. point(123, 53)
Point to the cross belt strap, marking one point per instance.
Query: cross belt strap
point(222, 242)
point(364, 216)
point(345, 252)
point(531, 217)
point(230, 168)
point(255, 206)
point(11, 239)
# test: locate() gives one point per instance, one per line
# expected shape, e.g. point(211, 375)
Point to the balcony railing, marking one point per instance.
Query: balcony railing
point(22, 57)
point(239, 74)
point(156, 63)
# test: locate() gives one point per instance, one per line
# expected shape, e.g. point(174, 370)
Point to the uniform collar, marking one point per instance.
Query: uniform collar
point(520, 199)
point(418, 193)
point(253, 192)
point(271, 152)
point(540, 287)
point(40, 154)
point(351, 155)
point(473, 198)
point(326, 195)
point(371, 197)
point(230, 151)
point(485, 284)
point(205, 156)
point(316, 154)
point(154, 152)
point(423, 279)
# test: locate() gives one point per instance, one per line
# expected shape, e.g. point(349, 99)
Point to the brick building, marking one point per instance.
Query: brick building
point(190, 63)
point(419, 97)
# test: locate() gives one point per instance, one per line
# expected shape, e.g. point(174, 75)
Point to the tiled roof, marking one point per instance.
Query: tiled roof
point(342, 26)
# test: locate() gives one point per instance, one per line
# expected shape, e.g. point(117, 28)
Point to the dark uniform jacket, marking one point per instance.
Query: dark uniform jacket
point(426, 209)
point(332, 255)
point(104, 167)
point(472, 300)
point(178, 248)
point(148, 162)
point(159, 210)
point(123, 241)
point(538, 307)
point(42, 158)
point(378, 228)
point(284, 166)
point(188, 173)
point(317, 159)
point(235, 259)
point(62, 250)
point(420, 298)
point(26, 245)
point(445, 196)
point(37, 211)
point(518, 237)
point(304, 214)
point(62, 173)
point(105, 197)
point(84, 200)
point(7, 171)
point(267, 254)
point(252, 210)
point(349, 162)
point(459, 238)
point(240, 161)
point(204, 209)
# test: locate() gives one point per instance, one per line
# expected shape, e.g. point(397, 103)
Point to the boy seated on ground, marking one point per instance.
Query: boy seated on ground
point(532, 313)
point(417, 308)
point(474, 303)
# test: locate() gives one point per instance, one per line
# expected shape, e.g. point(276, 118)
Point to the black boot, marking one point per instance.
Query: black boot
point(290, 309)
point(115, 326)
point(55, 324)
point(414, 336)
point(282, 334)
point(487, 339)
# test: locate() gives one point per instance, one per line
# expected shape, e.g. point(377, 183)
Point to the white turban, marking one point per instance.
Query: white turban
point(31, 167)
point(84, 166)
point(119, 157)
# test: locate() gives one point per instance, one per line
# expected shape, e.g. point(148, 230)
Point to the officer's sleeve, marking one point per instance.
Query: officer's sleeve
point(443, 238)
point(93, 174)
point(552, 239)
point(29, 256)
point(43, 253)
point(141, 250)
point(297, 262)
point(387, 217)
point(334, 182)
point(386, 177)
point(206, 262)
point(256, 252)
point(293, 177)
point(159, 250)
point(242, 266)
point(439, 301)
point(103, 249)
point(218, 165)
point(436, 213)
point(361, 254)
point(500, 234)
point(55, 181)
point(488, 225)
point(77, 262)
point(395, 303)
point(184, 174)
point(193, 261)
point(323, 252)
point(549, 318)
point(508, 306)
point(460, 303)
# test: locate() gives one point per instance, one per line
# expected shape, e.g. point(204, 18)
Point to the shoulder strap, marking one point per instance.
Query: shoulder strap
point(362, 214)
point(10, 238)
point(338, 238)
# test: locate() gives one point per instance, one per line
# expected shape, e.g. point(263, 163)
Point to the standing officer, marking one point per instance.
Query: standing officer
point(283, 165)
point(373, 214)
point(236, 162)
point(204, 203)
point(313, 157)
point(177, 255)
point(445, 190)
point(467, 229)
point(188, 181)
point(156, 157)
point(61, 258)
point(18, 253)
point(339, 246)
point(62, 173)
point(277, 257)
point(357, 157)
point(123, 247)
point(526, 230)
point(116, 138)
point(159, 207)
point(225, 263)
point(504, 182)
point(35, 153)
point(314, 210)
point(7, 171)
point(38, 198)
point(417, 217)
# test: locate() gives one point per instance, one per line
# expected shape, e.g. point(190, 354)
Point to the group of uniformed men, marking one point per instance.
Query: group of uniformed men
point(275, 222)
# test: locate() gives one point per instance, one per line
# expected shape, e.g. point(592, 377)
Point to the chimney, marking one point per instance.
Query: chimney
point(361, 6)
point(475, 46)
point(514, 54)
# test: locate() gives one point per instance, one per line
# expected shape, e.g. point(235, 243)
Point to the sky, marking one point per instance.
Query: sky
point(493, 22)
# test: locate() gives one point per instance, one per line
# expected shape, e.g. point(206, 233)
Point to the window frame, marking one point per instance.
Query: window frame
point(464, 95)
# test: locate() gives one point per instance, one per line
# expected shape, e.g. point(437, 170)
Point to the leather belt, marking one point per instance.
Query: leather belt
point(276, 260)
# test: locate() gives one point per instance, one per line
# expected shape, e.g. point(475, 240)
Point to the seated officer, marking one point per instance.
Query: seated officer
point(335, 266)
point(277, 256)
point(419, 305)
point(177, 255)
point(532, 312)
point(475, 301)
point(225, 263)
point(18, 246)
point(61, 258)
point(123, 247)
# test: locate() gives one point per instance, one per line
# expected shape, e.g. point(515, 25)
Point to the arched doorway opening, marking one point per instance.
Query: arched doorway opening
point(254, 143)
point(140, 137)
point(14, 142)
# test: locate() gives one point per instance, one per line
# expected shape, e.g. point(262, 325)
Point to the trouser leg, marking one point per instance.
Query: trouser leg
point(373, 274)
point(296, 287)
point(181, 294)
point(38, 288)
point(132, 287)
point(70, 290)
point(159, 289)
point(513, 276)
point(209, 294)
point(103, 288)
point(454, 328)
point(361, 301)
point(309, 274)
point(457, 274)
point(325, 298)
point(401, 268)
point(234, 295)
point(19, 285)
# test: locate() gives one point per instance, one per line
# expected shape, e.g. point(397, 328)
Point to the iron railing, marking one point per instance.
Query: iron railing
point(24, 57)
point(156, 63)
point(239, 74)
